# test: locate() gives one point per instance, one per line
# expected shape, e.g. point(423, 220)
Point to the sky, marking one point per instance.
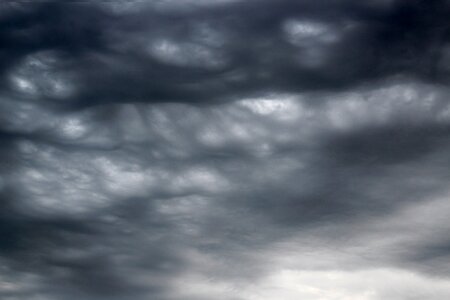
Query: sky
point(225, 149)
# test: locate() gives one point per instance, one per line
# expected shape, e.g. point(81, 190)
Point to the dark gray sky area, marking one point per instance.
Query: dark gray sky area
point(225, 150)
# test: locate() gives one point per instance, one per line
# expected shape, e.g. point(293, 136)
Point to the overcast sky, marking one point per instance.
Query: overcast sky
point(225, 150)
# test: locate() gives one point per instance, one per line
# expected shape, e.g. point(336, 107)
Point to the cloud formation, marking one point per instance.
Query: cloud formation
point(224, 150)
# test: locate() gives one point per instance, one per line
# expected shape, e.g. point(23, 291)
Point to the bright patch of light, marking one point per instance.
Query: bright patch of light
point(306, 31)
point(73, 128)
point(186, 54)
point(282, 108)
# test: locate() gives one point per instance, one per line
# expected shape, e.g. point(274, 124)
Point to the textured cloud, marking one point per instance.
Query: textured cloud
point(224, 150)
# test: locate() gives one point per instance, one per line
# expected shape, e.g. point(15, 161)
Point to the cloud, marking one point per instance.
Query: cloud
point(224, 150)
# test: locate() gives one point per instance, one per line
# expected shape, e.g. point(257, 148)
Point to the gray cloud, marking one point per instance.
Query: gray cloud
point(224, 150)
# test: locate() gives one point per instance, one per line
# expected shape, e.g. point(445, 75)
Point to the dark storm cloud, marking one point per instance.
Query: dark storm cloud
point(183, 150)
point(83, 256)
point(213, 53)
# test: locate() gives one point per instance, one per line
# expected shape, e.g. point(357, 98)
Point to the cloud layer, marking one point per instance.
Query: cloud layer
point(224, 150)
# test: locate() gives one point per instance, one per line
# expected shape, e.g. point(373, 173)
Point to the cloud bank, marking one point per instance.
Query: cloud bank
point(227, 149)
